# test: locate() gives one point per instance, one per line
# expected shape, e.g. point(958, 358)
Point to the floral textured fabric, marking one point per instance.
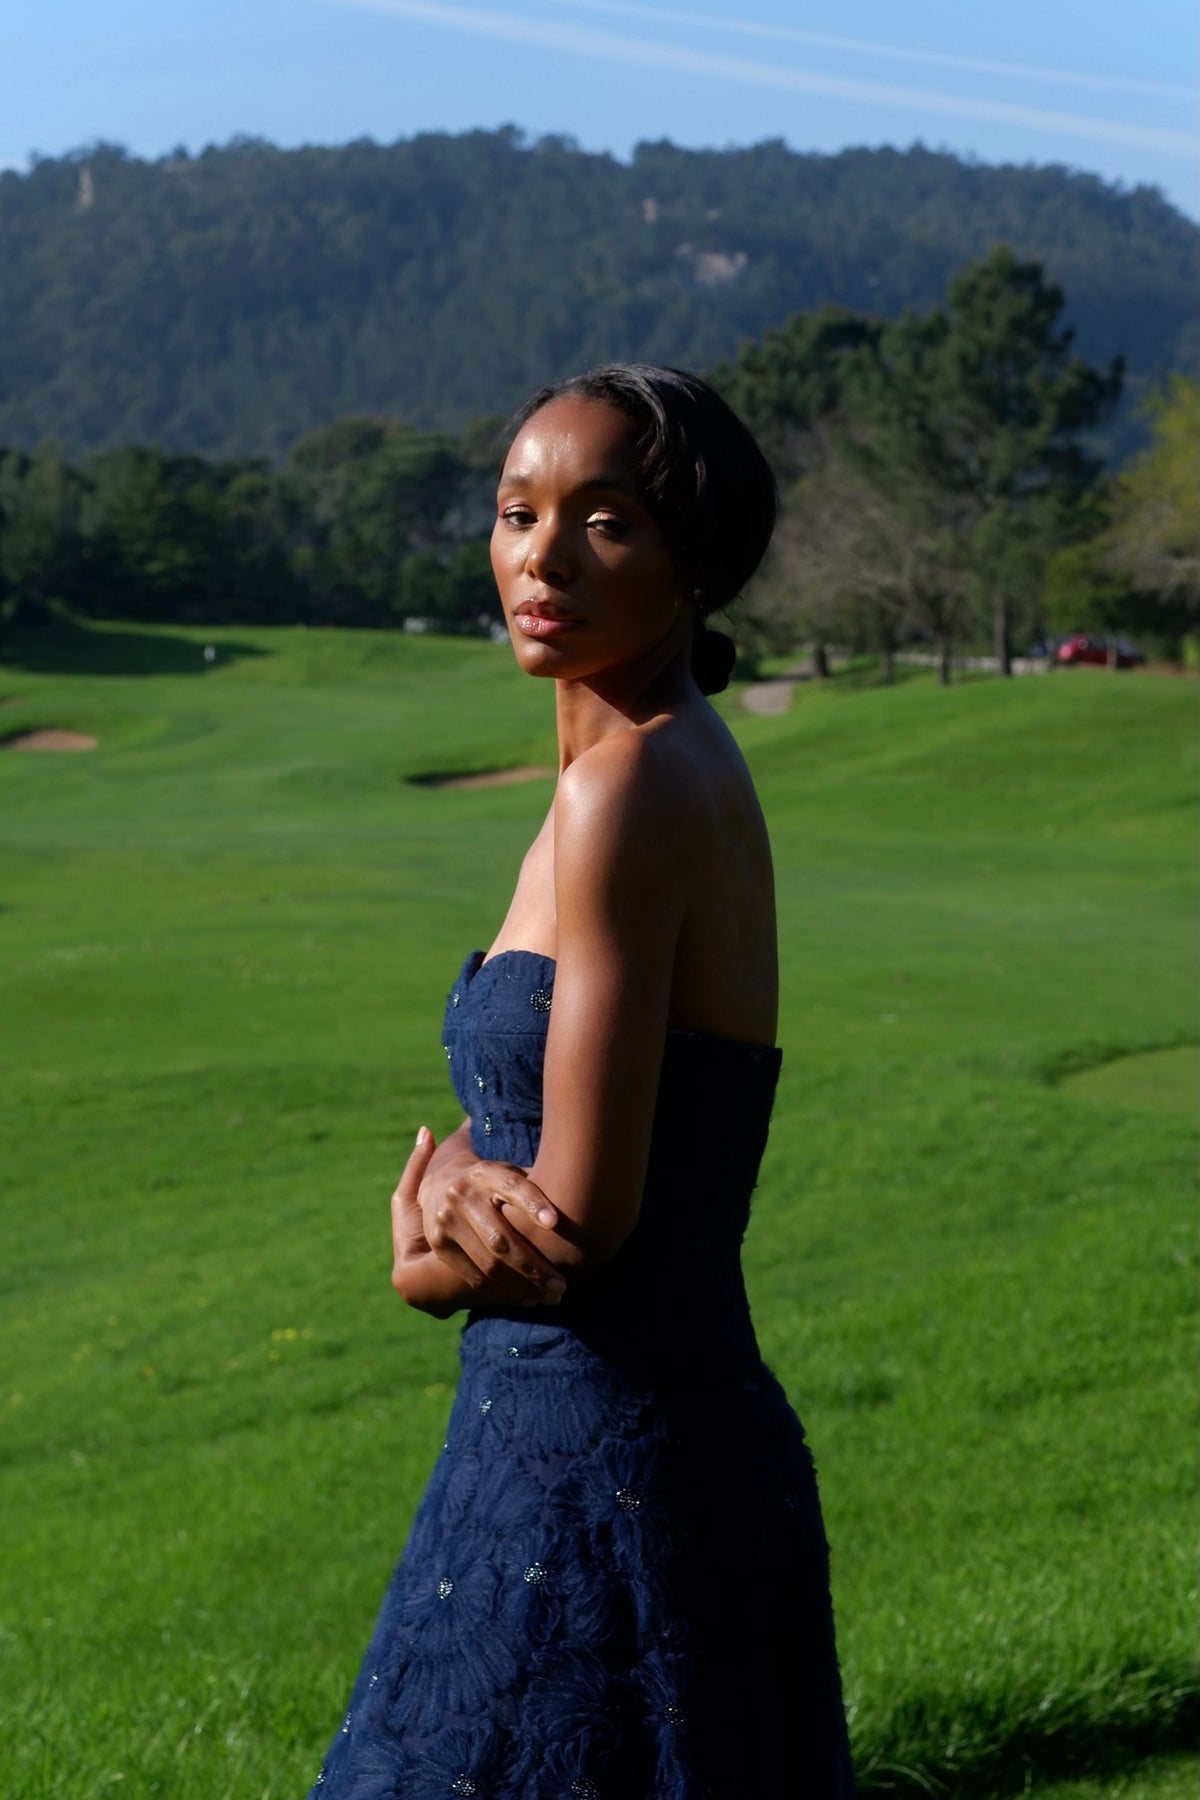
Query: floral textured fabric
point(616, 1586)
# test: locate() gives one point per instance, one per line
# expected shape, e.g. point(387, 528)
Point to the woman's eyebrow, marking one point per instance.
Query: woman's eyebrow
point(619, 484)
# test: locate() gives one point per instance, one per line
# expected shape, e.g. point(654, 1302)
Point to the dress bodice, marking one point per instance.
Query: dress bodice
point(674, 1292)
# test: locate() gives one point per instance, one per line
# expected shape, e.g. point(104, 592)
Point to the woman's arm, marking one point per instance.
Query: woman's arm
point(625, 853)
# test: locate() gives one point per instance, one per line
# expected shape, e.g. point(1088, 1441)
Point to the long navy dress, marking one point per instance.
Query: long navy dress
point(616, 1586)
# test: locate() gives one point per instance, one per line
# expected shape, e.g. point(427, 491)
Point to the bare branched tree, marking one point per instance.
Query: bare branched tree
point(854, 562)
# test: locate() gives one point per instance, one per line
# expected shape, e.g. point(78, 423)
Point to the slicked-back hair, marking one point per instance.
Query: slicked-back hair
point(706, 482)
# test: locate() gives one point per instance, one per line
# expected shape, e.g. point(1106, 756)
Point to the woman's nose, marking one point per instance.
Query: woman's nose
point(548, 555)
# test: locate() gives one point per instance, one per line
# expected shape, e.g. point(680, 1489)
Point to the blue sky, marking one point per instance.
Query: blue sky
point(1104, 86)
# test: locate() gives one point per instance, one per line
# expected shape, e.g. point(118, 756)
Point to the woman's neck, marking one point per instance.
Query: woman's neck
point(616, 699)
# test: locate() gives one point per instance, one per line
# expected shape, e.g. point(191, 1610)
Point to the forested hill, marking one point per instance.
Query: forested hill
point(226, 303)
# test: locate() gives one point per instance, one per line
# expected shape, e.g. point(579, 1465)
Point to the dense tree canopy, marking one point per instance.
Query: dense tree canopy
point(933, 464)
point(982, 404)
point(365, 523)
point(227, 303)
point(934, 472)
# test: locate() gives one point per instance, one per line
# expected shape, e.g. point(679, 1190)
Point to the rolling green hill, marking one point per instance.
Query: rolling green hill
point(227, 934)
point(227, 302)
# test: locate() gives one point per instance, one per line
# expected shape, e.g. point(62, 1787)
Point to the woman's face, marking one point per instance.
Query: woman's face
point(584, 573)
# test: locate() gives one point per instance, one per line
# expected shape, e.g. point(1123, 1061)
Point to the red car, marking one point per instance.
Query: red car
point(1081, 647)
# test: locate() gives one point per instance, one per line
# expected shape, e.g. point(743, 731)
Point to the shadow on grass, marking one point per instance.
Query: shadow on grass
point(69, 647)
point(1081, 1059)
point(1063, 1744)
point(480, 778)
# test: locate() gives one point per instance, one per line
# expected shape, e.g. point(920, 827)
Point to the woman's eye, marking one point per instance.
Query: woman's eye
point(607, 524)
point(517, 515)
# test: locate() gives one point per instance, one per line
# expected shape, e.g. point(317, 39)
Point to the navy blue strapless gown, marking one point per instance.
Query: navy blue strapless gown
point(616, 1586)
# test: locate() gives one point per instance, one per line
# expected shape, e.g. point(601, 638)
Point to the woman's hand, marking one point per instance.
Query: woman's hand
point(410, 1247)
point(470, 1213)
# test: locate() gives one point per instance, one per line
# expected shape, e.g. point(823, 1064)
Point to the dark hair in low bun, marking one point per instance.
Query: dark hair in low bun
point(713, 657)
point(703, 477)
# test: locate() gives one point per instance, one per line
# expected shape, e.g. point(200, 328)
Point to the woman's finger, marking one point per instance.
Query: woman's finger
point(511, 1184)
point(468, 1233)
point(407, 1224)
point(418, 1162)
point(468, 1272)
point(502, 1244)
point(489, 1278)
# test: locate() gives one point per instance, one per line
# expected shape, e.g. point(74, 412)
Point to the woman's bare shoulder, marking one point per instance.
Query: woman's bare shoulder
point(642, 784)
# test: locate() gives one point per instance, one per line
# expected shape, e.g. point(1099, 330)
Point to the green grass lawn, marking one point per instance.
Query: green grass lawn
point(225, 940)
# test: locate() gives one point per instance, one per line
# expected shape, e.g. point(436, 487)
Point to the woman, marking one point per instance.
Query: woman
point(616, 1585)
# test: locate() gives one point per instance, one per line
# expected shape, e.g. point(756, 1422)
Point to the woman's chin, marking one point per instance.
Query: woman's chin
point(536, 657)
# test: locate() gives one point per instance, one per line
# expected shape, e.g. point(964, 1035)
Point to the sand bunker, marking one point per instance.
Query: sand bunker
point(51, 740)
point(485, 779)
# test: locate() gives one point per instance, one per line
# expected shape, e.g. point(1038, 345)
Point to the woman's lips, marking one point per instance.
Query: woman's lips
point(542, 625)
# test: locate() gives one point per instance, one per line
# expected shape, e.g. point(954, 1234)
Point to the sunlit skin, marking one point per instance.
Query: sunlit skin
point(649, 882)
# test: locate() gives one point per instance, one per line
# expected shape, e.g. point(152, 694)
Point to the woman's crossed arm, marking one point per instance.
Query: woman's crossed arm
point(469, 1231)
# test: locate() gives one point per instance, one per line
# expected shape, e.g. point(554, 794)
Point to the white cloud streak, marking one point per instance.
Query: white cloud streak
point(933, 59)
point(582, 41)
